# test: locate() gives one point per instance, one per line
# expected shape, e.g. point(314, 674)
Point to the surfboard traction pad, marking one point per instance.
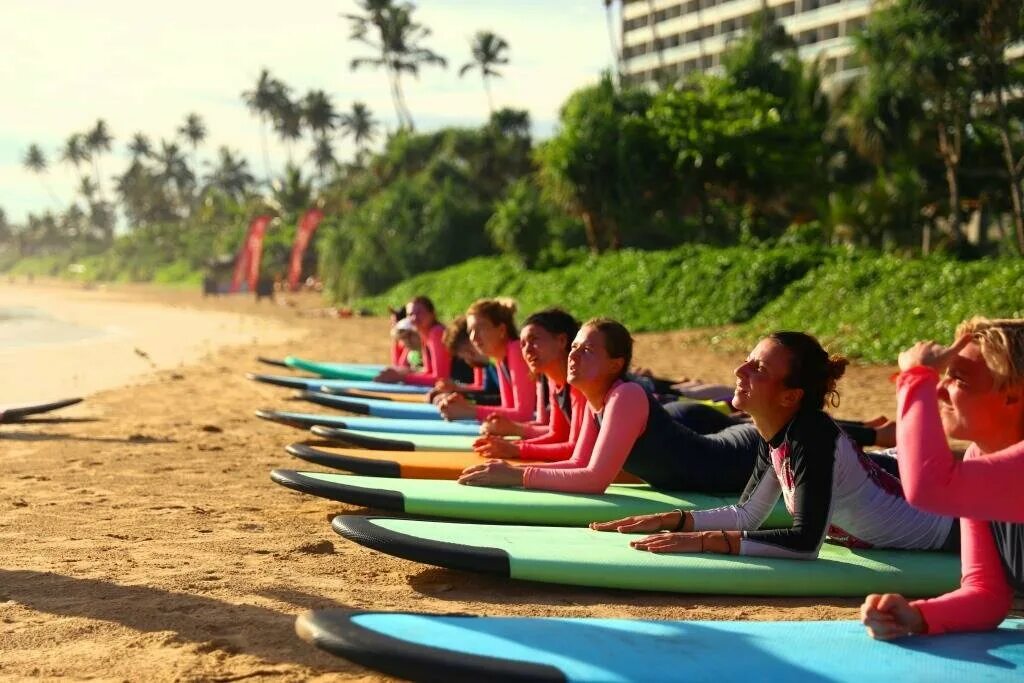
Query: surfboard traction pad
point(339, 632)
point(334, 631)
point(18, 413)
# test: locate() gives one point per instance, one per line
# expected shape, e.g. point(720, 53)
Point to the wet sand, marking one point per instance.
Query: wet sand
point(141, 538)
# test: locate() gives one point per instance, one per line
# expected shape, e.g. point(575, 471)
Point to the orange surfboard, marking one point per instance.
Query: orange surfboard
point(404, 464)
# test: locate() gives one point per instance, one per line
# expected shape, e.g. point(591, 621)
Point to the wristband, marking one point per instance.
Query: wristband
point(682, 521)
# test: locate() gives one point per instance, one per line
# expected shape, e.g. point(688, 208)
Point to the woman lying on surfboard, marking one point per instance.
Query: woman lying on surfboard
point(437, 364)
point(624, 428)
point(972, 391)
point(829, 486)
point(545, 340)
point(492, 329)
point(472, 372)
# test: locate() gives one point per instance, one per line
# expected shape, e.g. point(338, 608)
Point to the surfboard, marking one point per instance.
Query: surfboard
point(341, 385)
point(18, 412)
point(434, 498)
point(475, 648)
point(403, 464)
point(374, 408)
point(377, 394)
point(583, 557)
point(380, 441)
point(372, 424)
point(357, 371)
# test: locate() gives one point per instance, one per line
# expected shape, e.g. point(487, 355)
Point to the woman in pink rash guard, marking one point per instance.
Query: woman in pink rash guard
point(980, 398)
point(492, 329)
point(545, 338)
point(437, 363)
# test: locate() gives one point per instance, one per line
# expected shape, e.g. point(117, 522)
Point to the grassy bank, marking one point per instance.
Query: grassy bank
point(865, 304)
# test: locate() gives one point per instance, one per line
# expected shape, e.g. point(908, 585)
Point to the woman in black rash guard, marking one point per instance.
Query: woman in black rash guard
point(828, 485)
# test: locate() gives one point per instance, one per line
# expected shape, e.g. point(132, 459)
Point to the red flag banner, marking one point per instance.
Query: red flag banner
point(247, 265)
point(307, 226)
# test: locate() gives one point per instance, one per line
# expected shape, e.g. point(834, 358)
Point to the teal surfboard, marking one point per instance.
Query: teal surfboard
point(341, 385)
point(434, 498)
point(583, 557)
point(454, 647)
point(356, 371)
point(382, 425)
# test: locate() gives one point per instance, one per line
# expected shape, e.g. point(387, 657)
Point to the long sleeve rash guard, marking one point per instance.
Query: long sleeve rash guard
point(984, 489)
point(558, 438)
point(601, 449)
point(516, 387)
point(437, 362)
point(831, 489)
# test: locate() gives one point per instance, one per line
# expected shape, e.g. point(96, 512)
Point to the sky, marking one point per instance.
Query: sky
point(143, 66)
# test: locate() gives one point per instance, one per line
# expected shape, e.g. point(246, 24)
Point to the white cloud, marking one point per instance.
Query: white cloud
point(143, 66)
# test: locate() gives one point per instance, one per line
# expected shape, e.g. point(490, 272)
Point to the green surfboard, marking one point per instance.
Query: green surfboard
point(434, 498)
point(583, 557)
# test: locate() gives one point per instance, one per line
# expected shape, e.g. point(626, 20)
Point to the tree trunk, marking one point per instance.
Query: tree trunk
point(1011, 170)
point(950, 152)
point(402, 104)
point(592, 229)
point(490, 100)
point(266, 156)
point(926, 238)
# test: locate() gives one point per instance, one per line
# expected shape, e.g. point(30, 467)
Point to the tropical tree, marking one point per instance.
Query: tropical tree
point(173, 171)
point(397, 42)
point(140, 147)
point(193, 132)
point(318, 113)
point(489, 51)
point(323, 157)
point(609, 20)
point(75, 152)
point(262, 101)
point(287, 118)
point(98, 141)
point(359, 124)
point(35, 162)
point(230, 175)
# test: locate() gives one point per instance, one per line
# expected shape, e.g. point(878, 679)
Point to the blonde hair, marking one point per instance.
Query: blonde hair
point(1002, 346)
point(499, 311)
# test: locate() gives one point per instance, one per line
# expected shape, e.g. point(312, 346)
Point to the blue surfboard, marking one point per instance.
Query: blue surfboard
point(384, 425)
point(374, 407)
point(439, 647)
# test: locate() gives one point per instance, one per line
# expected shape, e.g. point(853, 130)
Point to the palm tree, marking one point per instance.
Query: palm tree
point(35, 162)
point(609, 20)
point(323, 157)
point(75, 153)
point(140, 147)
point(360, 126)
point(489, 50)
point(287, 117)
point(98, 140)
point(173, 169)
point(230, 175)
point(261, 101)
point(318, 113)
point(194, 132)
point(398, 47)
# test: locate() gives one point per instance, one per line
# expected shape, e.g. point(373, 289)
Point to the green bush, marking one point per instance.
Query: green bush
point(690, 286)
point(872, 307)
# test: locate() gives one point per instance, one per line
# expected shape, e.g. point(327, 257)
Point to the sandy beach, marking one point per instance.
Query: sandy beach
point(141, 537)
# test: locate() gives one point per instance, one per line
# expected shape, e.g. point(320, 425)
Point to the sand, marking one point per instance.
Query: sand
point(141, 538)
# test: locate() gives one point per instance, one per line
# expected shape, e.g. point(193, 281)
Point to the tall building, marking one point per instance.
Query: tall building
point(693, 34)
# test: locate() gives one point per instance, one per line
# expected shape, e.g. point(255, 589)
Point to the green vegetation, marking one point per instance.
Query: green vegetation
point(871, 210)
point(856, 301)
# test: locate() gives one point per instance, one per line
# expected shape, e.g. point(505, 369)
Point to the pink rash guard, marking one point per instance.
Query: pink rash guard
point(555, 440)
point(981, 489)
point(437, 362)
point(600, 452)
point(515, 385)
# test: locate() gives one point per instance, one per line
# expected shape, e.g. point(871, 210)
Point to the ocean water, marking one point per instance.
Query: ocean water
point(22, 327)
